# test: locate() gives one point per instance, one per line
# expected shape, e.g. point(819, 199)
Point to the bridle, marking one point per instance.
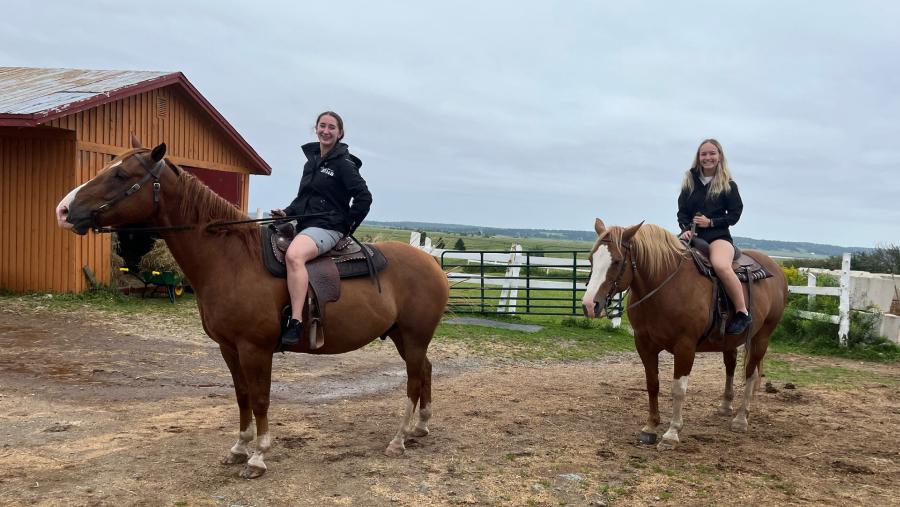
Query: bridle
point(153, 172)
point(613, 290)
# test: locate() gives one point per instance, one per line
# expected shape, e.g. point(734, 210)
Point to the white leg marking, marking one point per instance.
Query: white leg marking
point(396, 447)
point(739, 423)
point(421, 428)
point(601, 260)
point(679, 390)
point(262, 447)
point(728, 397)
point(241, 447)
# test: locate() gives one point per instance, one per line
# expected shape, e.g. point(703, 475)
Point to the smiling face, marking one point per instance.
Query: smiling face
point(708, 156)
point(329, 131)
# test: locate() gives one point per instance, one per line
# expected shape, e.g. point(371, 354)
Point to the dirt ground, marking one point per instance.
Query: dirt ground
point(108, 409)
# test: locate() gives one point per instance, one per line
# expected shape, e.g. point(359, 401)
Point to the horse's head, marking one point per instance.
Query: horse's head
point(612, 267)
point(124, 192)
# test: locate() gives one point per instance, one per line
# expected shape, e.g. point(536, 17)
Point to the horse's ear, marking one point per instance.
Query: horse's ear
point(135, 142)
point(158, 153)
point(599, 227)
point(631, 231)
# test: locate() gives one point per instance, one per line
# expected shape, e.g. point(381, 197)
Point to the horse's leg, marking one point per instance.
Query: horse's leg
point(684, 362)
point(239, 452)
point(256, 365)
point(421, 428)
point(752, 373)
point(730, 359)
point(414, 355)
point(650, 358)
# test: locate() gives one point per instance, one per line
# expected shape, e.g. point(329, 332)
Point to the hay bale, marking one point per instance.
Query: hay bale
point(159, 258)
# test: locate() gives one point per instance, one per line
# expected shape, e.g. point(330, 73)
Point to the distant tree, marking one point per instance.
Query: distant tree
point(422, 235)
point(459, 245)
point(440, 243)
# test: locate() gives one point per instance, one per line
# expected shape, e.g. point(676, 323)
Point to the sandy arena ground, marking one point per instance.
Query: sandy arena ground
point(108, 409)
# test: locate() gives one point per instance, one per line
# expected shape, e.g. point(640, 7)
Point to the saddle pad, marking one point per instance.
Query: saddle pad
point(349, 266)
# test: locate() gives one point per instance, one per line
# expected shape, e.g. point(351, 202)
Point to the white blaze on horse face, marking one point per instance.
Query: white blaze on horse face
point(62, 209)
point(601, 261)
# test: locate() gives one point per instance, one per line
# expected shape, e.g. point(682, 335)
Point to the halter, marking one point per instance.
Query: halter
point(153, 171)
point(615, 285)
point(613, 289)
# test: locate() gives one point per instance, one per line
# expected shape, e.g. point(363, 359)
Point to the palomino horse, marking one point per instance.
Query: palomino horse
point(240, 303)
point(670, 310)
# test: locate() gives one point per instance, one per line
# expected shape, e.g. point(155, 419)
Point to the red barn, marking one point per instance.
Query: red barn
point(58, 127)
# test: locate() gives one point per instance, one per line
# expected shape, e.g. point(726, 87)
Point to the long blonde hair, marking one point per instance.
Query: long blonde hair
point(721, 179)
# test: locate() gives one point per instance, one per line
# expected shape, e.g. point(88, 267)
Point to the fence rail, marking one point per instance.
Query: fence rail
point(512, 281)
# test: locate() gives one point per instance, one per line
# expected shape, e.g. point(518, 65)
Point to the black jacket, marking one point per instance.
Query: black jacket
point(326, 187)
point(724, 210)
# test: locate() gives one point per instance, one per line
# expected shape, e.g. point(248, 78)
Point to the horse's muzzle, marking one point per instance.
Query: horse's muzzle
point(596, 310)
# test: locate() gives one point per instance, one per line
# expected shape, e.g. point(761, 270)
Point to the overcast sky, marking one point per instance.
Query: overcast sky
point(534, 114)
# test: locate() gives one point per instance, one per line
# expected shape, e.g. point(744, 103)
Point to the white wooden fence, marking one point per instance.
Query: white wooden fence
point(514, 260)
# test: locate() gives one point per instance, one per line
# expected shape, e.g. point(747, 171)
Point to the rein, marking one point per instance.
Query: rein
point(209, 226)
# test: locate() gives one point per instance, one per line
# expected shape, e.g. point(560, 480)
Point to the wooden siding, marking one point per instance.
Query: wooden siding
point(36, 171)
point(39, 165)
point(162, 115)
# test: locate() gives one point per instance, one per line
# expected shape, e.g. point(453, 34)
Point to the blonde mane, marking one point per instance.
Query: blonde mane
point(656, 250)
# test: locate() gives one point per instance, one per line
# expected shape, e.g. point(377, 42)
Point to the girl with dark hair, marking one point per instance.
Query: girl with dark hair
point(335, 198)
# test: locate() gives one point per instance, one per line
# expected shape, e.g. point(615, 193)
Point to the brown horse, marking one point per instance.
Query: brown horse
point(240, 303)
point(670, 310)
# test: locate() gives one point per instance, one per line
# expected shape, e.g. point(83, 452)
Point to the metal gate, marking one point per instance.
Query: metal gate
point(535, 282)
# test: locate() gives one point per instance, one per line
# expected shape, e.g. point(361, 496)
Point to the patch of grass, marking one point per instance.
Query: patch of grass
point(556, 341)
point(668, 472)
point(835, 376)
point(109, 299)
point(665, 496)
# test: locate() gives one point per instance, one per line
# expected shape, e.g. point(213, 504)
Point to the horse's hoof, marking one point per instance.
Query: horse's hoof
point(252, 472)
point(420, 432)
point(667, 445)
point(648, 438)
point(724, 412)
point(394, 450)
point(235, 459)
point(739, 426)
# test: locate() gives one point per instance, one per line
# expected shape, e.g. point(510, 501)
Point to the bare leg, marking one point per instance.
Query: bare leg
point(239, 452)
point(721, 254)
point(302, 250)
point(730, 359)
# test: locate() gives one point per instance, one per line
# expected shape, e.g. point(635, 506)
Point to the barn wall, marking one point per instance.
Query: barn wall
point(37, 168)
point(162, 115)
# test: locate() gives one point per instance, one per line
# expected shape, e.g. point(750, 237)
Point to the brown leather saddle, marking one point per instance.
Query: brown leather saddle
point(747, 269)
point(348, 259)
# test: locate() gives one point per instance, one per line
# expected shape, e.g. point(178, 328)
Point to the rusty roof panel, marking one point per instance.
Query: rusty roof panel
point(32, 91)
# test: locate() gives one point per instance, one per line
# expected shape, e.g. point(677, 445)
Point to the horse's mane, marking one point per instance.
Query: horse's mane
point(655, 249)
point(202, 206)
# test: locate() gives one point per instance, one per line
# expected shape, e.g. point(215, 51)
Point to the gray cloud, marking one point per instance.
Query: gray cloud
point(546, 115)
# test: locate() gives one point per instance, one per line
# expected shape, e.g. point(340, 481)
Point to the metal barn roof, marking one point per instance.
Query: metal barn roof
point(33, 96)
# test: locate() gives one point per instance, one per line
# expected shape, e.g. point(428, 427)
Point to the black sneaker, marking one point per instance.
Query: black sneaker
point(291, 334)
point(739, 323)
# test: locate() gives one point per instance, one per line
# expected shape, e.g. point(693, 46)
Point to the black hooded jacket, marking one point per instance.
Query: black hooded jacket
point(326, 187)
point(724, 210)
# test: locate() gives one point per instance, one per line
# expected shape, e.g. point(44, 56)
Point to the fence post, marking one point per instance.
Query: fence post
point(510, 290)
point(810, 282)
point(617, 320)
point(844, 305)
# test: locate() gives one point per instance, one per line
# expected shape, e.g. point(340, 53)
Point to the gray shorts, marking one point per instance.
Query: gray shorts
point(325, 239)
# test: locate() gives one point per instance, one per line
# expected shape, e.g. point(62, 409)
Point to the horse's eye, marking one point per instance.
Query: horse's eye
point(120, 174)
